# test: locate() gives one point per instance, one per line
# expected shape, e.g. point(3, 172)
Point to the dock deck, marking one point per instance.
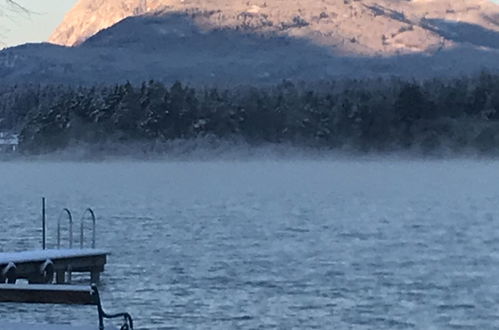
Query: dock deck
point(19, 326)
point(40, 266)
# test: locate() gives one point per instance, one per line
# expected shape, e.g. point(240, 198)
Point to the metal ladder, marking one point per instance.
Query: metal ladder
point(66, 212)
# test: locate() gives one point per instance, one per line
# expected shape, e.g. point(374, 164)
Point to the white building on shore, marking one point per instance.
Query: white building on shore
point(8, 142)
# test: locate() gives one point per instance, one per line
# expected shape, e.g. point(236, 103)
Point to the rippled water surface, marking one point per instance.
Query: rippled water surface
point(274, 244)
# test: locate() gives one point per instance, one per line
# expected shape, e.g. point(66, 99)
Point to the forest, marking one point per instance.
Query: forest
point(376, 115)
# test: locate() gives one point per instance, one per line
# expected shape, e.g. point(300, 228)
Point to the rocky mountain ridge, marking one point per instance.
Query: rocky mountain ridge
point(366, 27)
point(253, 42)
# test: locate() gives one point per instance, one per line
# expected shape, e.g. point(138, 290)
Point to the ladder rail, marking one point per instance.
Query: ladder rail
point(92, 216)
point(70, 218)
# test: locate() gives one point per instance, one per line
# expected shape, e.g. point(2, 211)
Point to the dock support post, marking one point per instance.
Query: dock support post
point(95, 276)
point(68, 274)
point(60, 277)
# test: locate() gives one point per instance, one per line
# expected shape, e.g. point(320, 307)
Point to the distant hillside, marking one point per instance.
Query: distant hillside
point(246, 42)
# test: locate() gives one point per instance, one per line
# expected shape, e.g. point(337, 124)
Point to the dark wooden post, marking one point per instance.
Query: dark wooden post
point(94, 276)
point(60, 277)
point(43, 224)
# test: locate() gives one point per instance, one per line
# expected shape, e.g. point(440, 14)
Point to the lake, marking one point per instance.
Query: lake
point(273, 244)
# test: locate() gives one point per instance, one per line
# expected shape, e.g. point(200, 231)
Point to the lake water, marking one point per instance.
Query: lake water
point(331, 244)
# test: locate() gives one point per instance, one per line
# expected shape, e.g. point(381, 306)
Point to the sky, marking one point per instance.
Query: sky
point(36, 27)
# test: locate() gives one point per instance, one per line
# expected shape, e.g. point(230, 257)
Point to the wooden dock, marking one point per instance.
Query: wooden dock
point(47, 266)
point(19, 326)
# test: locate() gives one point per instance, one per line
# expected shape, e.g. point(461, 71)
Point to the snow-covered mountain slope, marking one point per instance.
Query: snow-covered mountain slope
point(227, 42)
point(365, 27)
point(90, 16)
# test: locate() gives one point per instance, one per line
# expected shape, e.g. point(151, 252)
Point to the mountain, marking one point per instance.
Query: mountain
point(236, 41)
point(91, 16)
point(367, 27)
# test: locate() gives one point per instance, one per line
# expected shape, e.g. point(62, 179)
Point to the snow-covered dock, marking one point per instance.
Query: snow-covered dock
point(59, 294)
point(41, 266)
point(19, 326)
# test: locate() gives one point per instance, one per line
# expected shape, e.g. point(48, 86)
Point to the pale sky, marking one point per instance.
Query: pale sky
point(38, 26)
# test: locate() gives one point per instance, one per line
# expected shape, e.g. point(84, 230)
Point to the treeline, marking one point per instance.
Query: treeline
point(372, 115)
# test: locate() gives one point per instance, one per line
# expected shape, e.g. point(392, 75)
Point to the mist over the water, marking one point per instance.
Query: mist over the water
point(349, 243)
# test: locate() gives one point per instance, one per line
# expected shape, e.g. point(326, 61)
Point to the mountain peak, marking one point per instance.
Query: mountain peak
point(366, 27)
point(88, 17)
